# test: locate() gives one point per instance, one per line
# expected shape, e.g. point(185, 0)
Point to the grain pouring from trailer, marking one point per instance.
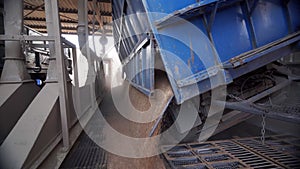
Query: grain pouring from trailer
point(213, 53)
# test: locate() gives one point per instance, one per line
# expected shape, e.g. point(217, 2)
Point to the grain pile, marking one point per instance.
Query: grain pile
point(133, 129)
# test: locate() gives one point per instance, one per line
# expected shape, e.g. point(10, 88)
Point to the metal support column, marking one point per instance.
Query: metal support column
point(51, 73)
point(53, 26)
point(15, 83)
point(14, 69)
point(83, 38)
point(76, 81)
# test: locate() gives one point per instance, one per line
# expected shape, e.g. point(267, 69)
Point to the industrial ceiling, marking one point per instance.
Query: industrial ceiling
point(99, 12)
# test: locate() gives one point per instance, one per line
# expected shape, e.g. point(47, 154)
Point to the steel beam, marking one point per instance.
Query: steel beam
point(76, 81)
point(83, 38)
point(34, 9)
point(52, 8)
point(14, 69)
point(66, 11)
point(269, 91)
point(16, 87)
point(61, 20)
point(248, 107)
point(17, 37)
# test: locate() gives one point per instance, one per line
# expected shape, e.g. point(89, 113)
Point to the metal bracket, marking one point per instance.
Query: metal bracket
point(213, 15)
point(136, 49)
point(255, 53)
point(195, 78)
point(208, 24)
point(248, 12)
point(121, 26)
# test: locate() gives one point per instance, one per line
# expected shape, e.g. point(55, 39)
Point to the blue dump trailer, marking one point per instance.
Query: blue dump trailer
point(251, 46)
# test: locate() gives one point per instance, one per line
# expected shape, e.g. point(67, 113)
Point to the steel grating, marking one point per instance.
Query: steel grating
point(85, 154)
point(278, 152)
point(281, 151)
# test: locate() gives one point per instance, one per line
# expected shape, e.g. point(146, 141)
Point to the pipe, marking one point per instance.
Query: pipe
point(82, 24)
point(14, 69)
point(83, 32)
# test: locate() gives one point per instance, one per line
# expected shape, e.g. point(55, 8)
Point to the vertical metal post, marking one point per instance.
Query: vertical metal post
point(83, 35)
point(14, 69)
point(91, 72)
point(76, 80)
point(61, 69)
point(51, 72)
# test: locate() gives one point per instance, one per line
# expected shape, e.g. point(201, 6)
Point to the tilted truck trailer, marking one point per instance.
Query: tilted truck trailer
point(227, 53)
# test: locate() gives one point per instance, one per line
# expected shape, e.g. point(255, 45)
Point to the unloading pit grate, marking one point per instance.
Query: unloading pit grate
point(85, 154)
point(277, 152)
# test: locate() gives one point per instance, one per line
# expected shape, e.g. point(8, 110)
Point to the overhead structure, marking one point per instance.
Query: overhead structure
point(99, 15)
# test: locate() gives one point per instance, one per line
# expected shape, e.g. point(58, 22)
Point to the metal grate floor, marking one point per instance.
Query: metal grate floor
point(277, 152)
point(85, 154)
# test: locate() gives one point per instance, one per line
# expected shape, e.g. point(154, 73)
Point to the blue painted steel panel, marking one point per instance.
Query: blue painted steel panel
point(167, 7)
point(135, 51)
point(164, 6)
point(234, 33)
point(294, 11)
point(140, 70)
point(230, 33)
point(269, 21)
